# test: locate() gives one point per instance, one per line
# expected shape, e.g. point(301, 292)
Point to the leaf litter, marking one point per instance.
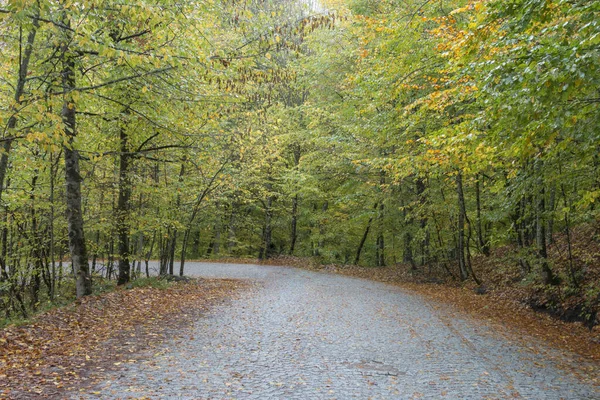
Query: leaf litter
point(68, 349)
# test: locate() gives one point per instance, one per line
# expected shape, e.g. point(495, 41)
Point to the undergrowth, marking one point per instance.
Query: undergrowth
point(65, 297)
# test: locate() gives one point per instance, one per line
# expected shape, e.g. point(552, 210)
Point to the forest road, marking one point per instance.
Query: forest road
point(298, 334)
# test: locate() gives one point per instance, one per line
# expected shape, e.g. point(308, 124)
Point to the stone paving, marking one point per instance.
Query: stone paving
point(307, 335)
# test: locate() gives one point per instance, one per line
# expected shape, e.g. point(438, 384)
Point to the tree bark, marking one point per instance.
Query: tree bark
point(540, 234)
point(462, 266)
point(174, 238)
point(380, 239)
point(294, 227)
point(53, 173)
point(364, 238)
point(217, 245)
point(77, 245)
point(186, 236)
point(294, 233)
point(420, 188)
point(551, 207)
point(483, 244)
point(231, 229)
point(123, 207)
point(265, 251)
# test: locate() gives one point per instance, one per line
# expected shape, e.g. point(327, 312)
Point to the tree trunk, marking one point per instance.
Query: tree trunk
point(551, 207)
point(380, 239)
point(420, 188)
point(217, 245)
point(294, 228)
point(51, 223)
point(173, 243)
point(483, 244)
point(266, 251)
point(186, 236)
point(540, 234)
point(140, 250)
point(123, 207)
point(407, 256)
point(321, 241)
point(171, 254)
point(572, 272)
point(294, 234)
point(364, 237)
point(36, 251)
point(231, 234)
point(77, 245)
point(149, 254)
point(163, 252)
point(462, 266)
point(196, 244)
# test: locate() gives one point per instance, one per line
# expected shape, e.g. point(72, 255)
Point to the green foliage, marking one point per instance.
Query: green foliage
point(432, 130)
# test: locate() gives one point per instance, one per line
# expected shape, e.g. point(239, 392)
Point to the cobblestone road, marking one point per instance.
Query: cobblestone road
point(307, 335)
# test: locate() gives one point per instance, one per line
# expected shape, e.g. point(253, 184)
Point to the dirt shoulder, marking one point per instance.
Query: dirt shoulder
point(60, 350)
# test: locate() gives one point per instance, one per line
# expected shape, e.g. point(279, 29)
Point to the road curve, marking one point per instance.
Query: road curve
point(307, 335)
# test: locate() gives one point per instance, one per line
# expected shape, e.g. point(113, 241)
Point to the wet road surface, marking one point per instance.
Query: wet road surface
point(299, 334)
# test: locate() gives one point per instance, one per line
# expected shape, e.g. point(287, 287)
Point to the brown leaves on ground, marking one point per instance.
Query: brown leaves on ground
point(56, 351)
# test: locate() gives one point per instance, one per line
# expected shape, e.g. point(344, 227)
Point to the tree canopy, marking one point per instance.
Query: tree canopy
point(367, 132)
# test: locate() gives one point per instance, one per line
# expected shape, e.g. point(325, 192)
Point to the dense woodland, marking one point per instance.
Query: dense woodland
point(421, 132)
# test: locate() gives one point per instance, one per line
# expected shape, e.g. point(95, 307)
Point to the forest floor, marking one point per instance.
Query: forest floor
point(57, 351)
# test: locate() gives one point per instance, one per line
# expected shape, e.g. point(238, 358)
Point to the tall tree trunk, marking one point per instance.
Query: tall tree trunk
point(364, 238)
point(266, 251)
point(217, 245)
point(163, 252)
point(139, 256)
point(186, 236)
point(407, 253)
point(483, 244)
point(53, 173)
point(407, 256)
point(572, 272)
point(551, 207)
point(77, 245)
point(95, 253)
point(519, 216)
point(24, 58)
point(380, 239)
point(380, 242)
point(123, 206)
point(321, 241)
point(294, 233)
point(173, 244)
point(231, 234)
point(37, 251)
point(420, 188)
point(195, 244)
point(171, 254)
point(540, 233)
point(462, 265)
point(467, 267)
point(149, 254)
point(294, 228)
